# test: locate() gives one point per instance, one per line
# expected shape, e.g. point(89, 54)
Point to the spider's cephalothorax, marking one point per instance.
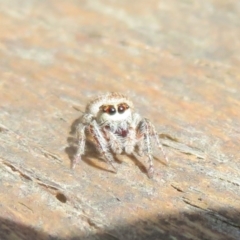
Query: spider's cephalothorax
point(115, 128)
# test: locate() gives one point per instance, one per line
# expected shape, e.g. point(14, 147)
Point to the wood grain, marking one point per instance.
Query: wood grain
point(179, 63)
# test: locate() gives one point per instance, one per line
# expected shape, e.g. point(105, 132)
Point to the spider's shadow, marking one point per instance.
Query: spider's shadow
point(71, 149)
point(90, 149)
point(138, 161)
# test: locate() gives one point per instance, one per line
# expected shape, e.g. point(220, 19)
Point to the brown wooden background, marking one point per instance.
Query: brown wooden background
point(177, 60)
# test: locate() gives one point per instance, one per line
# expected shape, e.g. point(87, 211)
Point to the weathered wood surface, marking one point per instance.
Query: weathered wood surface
point(177, 60)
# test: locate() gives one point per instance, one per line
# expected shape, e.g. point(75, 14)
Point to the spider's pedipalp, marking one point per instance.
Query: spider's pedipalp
point(130, 141)
point(115, 142)
point(131, 138)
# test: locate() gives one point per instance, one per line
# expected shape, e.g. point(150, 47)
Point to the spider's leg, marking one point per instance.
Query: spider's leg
point(101, 143)
point(81, 144)
point(145, 130)
point(158, 141)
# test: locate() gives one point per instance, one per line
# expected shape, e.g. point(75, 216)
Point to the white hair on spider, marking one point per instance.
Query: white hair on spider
point(115, 128)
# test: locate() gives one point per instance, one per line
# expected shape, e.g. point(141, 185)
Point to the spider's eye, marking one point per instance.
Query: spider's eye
point(109, 109)
point(122, 108)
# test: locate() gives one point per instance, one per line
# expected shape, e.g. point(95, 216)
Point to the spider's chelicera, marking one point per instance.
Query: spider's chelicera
point(115, 128)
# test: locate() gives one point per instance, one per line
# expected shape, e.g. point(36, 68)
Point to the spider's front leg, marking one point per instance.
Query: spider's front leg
point(145, 146)
point(160, 146)
point(146, 131)
point(101, 143)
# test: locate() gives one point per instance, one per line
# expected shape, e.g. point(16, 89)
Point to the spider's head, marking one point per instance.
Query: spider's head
point(112, 107)
point(114, 112)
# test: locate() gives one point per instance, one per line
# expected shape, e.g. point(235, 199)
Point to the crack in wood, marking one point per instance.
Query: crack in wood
point(171, 142)
point(60, 194)
point(212, 213)
point(229, 181)
point(176, 188)
point(29, 145)
point(30, 176)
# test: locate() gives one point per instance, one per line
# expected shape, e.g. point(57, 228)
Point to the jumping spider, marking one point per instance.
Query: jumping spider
point(115, 128)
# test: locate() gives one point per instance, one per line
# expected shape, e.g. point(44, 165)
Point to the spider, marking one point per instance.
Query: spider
point(115, 128)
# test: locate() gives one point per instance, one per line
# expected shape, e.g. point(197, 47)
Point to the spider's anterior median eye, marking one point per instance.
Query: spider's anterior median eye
point(109, 109)
point(122, 107)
